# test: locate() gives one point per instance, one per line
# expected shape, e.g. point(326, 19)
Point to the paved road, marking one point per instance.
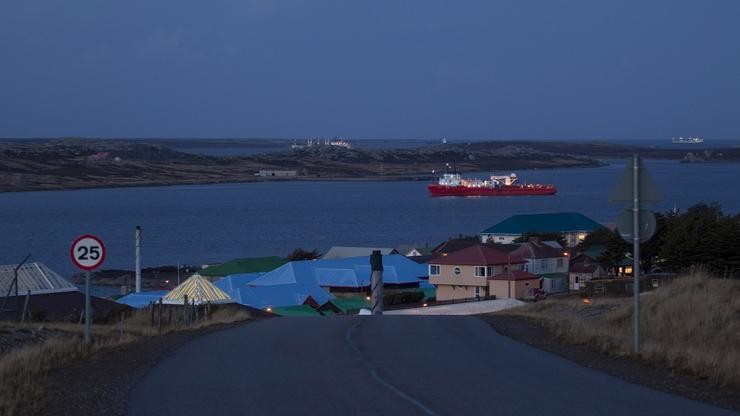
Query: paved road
point(390, 365)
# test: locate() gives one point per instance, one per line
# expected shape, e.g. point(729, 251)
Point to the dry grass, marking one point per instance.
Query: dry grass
point(692, 325)
point(23, 370)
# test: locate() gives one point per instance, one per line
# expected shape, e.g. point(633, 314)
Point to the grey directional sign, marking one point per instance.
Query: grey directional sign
point(625, 225)
point(647, 190)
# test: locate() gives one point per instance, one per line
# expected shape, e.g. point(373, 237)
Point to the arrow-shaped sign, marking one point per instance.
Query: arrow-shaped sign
point(623, 191)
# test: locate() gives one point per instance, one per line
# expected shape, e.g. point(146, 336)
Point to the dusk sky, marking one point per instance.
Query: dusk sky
point(370, 69)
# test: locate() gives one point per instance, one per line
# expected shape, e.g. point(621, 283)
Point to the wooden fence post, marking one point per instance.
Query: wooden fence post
point(186, 311)
point(159, 316)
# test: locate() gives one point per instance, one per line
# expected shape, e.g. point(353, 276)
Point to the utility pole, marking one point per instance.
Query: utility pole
point(636, 245)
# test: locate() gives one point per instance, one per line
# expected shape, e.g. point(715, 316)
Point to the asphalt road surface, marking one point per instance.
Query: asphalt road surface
point(389, 365)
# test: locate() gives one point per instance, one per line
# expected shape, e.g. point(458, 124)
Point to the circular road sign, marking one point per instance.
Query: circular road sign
point(87, 252)
point(646, 221)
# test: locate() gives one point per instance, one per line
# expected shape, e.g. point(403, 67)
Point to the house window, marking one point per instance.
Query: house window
point(481, 271)
point(560, 262)
point(457, 271)
point(576, 280)
point(477, 291)
point(434, 270)
point(543, 264)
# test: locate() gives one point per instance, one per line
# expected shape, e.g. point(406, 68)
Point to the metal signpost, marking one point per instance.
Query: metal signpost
point(636, 225)
point(87, 253)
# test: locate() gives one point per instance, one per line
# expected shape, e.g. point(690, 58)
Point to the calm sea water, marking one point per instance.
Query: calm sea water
point(214, 223)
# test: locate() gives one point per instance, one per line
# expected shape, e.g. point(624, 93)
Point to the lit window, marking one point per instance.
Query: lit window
point(434, 270)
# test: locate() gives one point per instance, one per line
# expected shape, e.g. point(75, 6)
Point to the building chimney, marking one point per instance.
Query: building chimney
point(376, 282)
point(138, 259)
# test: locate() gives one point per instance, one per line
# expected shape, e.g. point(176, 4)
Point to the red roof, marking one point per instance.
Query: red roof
point(477, 255)
point(515, 275)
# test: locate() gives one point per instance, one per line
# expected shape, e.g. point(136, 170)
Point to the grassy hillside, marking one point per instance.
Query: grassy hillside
point(691, 325)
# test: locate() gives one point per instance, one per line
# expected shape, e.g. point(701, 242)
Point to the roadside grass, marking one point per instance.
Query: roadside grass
point(23, 370)
point(690, 325)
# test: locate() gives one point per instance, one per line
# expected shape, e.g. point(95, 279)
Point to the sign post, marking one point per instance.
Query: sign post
point(87, 253)
point(636, 186)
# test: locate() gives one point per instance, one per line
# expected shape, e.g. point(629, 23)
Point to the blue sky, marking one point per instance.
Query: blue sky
point(514, 69)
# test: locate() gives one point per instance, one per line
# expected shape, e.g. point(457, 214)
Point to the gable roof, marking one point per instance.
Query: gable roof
point(477, 255)
point(197, 289)
point(454, 244)
point(543, 223)
point(406, 249)
point(537, 250)
point(514, 275)
point(245, 265)
point(35, 277)
point(339, 252)
point(349, 272)
point(584, 267)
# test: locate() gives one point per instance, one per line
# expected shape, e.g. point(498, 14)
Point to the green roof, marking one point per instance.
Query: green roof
point(350, 304)
point(298, 310)
point(557, 222)
point(248, 265)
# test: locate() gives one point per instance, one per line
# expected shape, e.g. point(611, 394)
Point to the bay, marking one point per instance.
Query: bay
point(214, 223)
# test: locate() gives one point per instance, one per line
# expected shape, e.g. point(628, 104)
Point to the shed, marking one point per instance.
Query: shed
point(35, 277)
point(555, 282)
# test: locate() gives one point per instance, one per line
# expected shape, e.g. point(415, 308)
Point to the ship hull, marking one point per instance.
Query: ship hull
point(512, 190)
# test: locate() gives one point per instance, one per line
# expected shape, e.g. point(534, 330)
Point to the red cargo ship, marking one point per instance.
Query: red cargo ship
point(451, 184)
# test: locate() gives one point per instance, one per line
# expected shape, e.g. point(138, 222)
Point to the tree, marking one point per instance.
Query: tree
point(301, 254)
point(702, 235)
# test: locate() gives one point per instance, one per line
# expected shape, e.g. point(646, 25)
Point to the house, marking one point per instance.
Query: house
point(582, 271)
point(463, 274)
point(542, 258)
point(339, 252)
point(513, 284)
point(241, 266)
point(572, 225)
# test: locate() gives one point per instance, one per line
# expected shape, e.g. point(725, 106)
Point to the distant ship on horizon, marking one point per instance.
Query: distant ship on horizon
point(690, 140)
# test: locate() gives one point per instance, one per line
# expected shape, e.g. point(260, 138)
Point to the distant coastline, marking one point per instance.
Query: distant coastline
point(67, 164)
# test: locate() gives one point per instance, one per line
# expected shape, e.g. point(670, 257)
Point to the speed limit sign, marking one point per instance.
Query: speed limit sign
point(87, 252)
